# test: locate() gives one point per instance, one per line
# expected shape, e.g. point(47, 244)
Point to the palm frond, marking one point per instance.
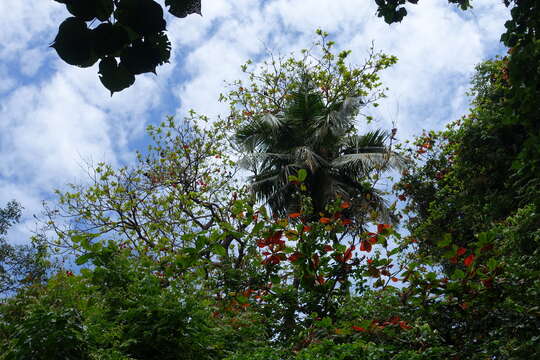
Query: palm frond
point(365, 143)
point(306, 157)
point(371, 160)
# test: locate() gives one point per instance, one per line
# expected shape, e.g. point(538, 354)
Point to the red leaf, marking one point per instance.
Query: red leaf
point(453, 260)
point(307, 228)
point(294, 215)
point(404, 325)
point(295, 256)
point(365, 246)
point(276, 237)
point(382, 227)
point(345, 205)
point(468, 260)
point(320, 279)
point(358, 328)
point(369, 261)
point(347, 222)
point(394, 279)
point(275, 259)
point(316, 261)
point(372, 238)
point(327, 248)
point(461, 251)
point(487, 247)
point(324, 220)
point(347, 255)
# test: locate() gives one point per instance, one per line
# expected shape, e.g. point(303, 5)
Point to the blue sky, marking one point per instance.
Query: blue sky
point(55, 118)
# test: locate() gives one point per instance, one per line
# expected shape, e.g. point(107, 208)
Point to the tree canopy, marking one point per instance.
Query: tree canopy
point(176, 256)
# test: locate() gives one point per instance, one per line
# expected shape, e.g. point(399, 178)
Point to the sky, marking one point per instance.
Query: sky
point(55, 118)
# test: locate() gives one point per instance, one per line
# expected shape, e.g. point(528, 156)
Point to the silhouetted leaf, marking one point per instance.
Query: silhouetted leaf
point(83, 9)
point(104, 9)
point(73, 43)
point(145, 56)
point(109, 39)
point(182, 8)
point(114, 76)
point(145, 17)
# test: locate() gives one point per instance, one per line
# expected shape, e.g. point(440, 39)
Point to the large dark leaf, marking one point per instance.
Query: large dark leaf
point(104, 9)
point(89, 9)
point(182, 8)
point(145, 17)
point(109, 39)
point(73, 43)
point(83, 9)
point(145, 56)
point(114, 76)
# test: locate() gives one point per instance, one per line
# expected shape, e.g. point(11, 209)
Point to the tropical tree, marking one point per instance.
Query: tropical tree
point(314, 131)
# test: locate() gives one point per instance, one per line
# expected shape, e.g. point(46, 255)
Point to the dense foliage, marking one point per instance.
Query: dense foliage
point(23, 264)
point(178, 257)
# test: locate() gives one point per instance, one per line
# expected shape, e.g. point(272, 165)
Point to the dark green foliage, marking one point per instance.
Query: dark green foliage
point(10, 215)
point(45, 334)
point(182, 8)
point(145, 55)
point(131, 29)
point(109, 39)
point(394, 11)
point(115, 77)
point(20, 265)
point(88, 10)
point(522, 74)
point(473, 220)
point(74, 43)
point(145, 17)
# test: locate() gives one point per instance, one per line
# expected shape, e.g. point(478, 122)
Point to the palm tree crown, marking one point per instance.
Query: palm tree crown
point(320, 138)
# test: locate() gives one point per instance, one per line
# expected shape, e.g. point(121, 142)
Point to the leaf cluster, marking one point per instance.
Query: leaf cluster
point(129, 40)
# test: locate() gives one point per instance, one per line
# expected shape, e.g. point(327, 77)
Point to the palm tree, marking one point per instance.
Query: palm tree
point(309, 134)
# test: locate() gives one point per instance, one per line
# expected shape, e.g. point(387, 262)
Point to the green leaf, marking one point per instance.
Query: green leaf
point(242, 299)
point(182, 8)
point(302, 174)
point(492, 264)
point(83, 259)
point(447, 239)
point(219, 250)
point(458, 275)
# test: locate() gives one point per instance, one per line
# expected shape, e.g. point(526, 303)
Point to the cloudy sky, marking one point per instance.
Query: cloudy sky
point(54, 118)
